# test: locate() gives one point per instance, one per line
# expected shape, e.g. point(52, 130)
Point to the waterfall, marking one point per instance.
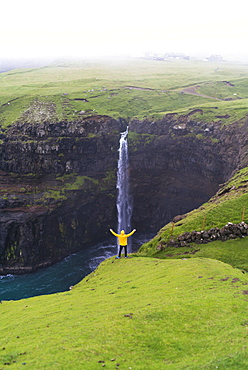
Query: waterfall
point(124, 205)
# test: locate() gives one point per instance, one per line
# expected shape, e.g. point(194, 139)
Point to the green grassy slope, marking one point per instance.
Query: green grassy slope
point(139, 313)
point(228, 205)
point(132, 88)
point(171, 312)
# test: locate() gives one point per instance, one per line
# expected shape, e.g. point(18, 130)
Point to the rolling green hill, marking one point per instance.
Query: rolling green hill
point(228, 205)
point(131, 88)
point(139, 313)
point(185, 311)
point(167, 307)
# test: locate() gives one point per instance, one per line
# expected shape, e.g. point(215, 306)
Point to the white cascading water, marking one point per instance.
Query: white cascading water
point(124, 204)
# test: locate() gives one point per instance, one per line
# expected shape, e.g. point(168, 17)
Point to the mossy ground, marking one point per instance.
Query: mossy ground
point(50, 189)
point(137, 313)
point(134, 88)
point(233, 252)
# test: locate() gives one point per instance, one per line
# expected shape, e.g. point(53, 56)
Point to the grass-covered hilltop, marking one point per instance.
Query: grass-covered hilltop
point(134, 88)
point(181, 301)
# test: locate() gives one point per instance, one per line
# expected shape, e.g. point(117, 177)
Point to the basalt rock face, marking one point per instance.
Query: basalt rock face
point(177, 164)
point(62, 147)
point(58, 189)
point(58, 180)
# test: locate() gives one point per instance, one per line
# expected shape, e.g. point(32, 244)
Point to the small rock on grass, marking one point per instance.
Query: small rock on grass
point(129, 315)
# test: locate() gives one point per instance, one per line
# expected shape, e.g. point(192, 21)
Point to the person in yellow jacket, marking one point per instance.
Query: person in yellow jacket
point(122, 238)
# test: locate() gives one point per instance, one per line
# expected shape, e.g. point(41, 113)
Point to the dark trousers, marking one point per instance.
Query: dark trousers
point(120, 249)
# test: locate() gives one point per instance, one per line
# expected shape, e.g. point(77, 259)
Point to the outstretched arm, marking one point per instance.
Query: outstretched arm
point(113, 232)
point(132, 232)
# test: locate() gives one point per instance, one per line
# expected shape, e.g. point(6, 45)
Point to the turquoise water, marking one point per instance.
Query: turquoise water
point(62, 275)
point(56, 278)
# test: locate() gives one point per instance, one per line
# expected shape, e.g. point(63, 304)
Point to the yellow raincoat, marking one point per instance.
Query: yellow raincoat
point(122, 237)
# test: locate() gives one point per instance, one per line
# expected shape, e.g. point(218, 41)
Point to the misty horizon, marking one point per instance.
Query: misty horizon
point(9, 63)
point(53, 30)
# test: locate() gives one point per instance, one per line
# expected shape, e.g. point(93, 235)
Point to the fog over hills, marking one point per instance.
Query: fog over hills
point(7, 64)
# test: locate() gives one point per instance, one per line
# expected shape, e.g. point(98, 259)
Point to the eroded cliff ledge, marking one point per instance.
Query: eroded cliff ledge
point(58, 189)
point(58, 180)
point(177, 164)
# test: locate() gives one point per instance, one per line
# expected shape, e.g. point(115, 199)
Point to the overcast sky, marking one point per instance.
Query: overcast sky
point(113, 27)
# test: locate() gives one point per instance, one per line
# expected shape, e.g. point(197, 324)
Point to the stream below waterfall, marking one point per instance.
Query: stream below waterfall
point(62, 275)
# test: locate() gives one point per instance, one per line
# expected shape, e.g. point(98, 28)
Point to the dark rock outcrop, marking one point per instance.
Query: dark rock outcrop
point(58, 190)
point(58, 179)
point(177, 164)
point(229, 231)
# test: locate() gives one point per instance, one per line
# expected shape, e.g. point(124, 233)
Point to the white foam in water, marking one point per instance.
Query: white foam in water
point(94, 262)
point(6, 276)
